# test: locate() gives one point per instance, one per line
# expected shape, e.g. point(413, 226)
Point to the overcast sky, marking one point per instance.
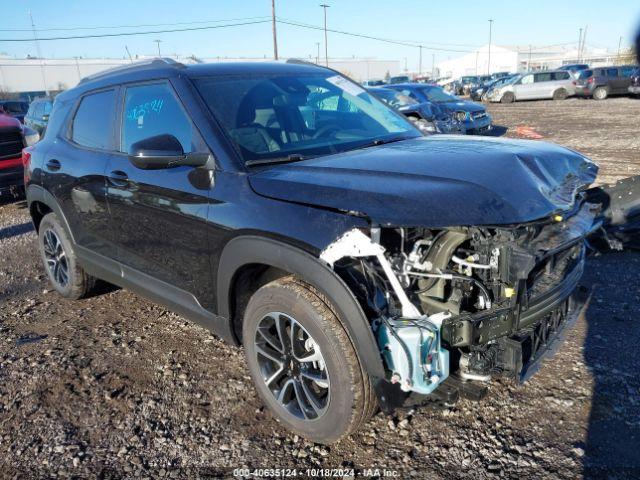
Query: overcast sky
point(460, 25)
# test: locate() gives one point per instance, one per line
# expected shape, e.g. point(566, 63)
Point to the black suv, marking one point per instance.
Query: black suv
point(359, 263)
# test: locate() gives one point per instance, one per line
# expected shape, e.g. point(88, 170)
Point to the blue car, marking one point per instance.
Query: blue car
point(428, 117)
point(474, 117)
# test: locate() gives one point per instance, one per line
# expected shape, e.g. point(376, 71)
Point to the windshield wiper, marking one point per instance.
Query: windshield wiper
point(382, 141)
point(294, 157)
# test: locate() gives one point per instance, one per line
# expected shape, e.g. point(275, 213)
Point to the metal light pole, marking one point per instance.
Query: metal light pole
point(158, 44)
point(489, 60)
point(326, 48)
point(318, 54)
point(420, 62)
point(275, 36)
point(35, 39)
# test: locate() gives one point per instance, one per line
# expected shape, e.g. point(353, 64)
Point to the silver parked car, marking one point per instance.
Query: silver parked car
point(556, 84)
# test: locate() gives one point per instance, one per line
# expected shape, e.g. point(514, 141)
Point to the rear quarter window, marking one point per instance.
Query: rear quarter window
point(561, 76)
point(612, 72)
point(93, 122)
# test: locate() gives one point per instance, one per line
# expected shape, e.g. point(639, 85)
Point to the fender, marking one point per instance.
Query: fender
point(246, 250)
point(36, 193)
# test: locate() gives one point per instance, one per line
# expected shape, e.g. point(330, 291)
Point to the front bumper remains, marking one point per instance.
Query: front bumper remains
point(523, 337)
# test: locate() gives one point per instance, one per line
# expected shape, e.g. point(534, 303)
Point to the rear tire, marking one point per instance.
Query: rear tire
point(508, 97)
point(66, 276)
point(560, 94)
point(600, 93)
point(286, 322)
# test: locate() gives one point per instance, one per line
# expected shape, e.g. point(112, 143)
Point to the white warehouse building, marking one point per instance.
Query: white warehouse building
point(518, 59)
point(33, 75)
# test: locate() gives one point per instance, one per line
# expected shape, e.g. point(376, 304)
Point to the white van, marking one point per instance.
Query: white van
point(556, 85)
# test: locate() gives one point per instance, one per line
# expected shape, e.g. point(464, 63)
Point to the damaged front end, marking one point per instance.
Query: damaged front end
point(452, 305)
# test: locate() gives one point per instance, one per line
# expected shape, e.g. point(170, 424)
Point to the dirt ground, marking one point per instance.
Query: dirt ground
point(114, 386)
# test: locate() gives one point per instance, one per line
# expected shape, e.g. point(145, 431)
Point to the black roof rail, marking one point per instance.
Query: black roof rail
point(152, 62)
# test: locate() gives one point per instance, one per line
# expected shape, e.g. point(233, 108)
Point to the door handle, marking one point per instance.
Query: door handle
point(53, 164)
point(118, 178)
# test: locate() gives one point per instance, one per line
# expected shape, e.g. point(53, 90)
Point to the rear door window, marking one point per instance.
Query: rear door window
point(542, 77)
point(93, 122)
point(151, 110)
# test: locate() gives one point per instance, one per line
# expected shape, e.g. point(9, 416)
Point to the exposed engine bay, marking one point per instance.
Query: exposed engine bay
point(476, 301)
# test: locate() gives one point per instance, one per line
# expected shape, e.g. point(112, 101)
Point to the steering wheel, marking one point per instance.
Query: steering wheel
point(324, 131)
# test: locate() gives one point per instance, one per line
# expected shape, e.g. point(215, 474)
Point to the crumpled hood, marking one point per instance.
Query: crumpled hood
point(463, 106)
point(437, 181)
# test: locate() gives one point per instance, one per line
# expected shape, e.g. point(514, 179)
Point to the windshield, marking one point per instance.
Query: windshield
point(438, 95)
point(394, 98)
point(276, 116)
point(14, 107)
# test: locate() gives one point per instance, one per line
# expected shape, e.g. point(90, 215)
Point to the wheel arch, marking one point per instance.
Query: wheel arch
point(41, 202)
point(261, 255)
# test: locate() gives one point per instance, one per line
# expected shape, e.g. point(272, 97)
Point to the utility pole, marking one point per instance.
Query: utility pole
point(619, 45)
point(158, 44)
point(420, 61)
point(489, 60)
point(128, 53)
point(529, 61)
point(579, 44)
point(275, 35)
point(433, 66)
point(326, 48)
point(78, 68)
point(584, 41)
point(477, 55)
point(35, 39)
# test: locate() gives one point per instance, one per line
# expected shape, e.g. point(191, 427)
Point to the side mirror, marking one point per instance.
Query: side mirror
point(163, 151)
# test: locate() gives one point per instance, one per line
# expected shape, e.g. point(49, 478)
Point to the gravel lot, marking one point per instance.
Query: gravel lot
point(114, 386)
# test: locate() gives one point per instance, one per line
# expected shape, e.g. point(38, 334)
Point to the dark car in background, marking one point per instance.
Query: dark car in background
point(634, 88)
point(15, 108)
point(478, 93)
point(428, 117)
point(14, 136)
point(474, 117)
point(399, 79)
point(574, 68)
point(38, 115)
point(599, 83)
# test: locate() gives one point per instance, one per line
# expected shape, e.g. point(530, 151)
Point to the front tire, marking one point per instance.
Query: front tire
point(508, 97)
point(303, 363)
point(560, 94)
point(60, 262)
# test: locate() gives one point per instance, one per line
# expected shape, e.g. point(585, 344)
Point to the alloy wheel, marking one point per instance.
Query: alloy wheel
point(56, 258)
point(292, 366)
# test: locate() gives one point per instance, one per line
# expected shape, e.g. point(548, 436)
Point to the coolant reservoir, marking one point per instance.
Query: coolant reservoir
point(423, 364)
